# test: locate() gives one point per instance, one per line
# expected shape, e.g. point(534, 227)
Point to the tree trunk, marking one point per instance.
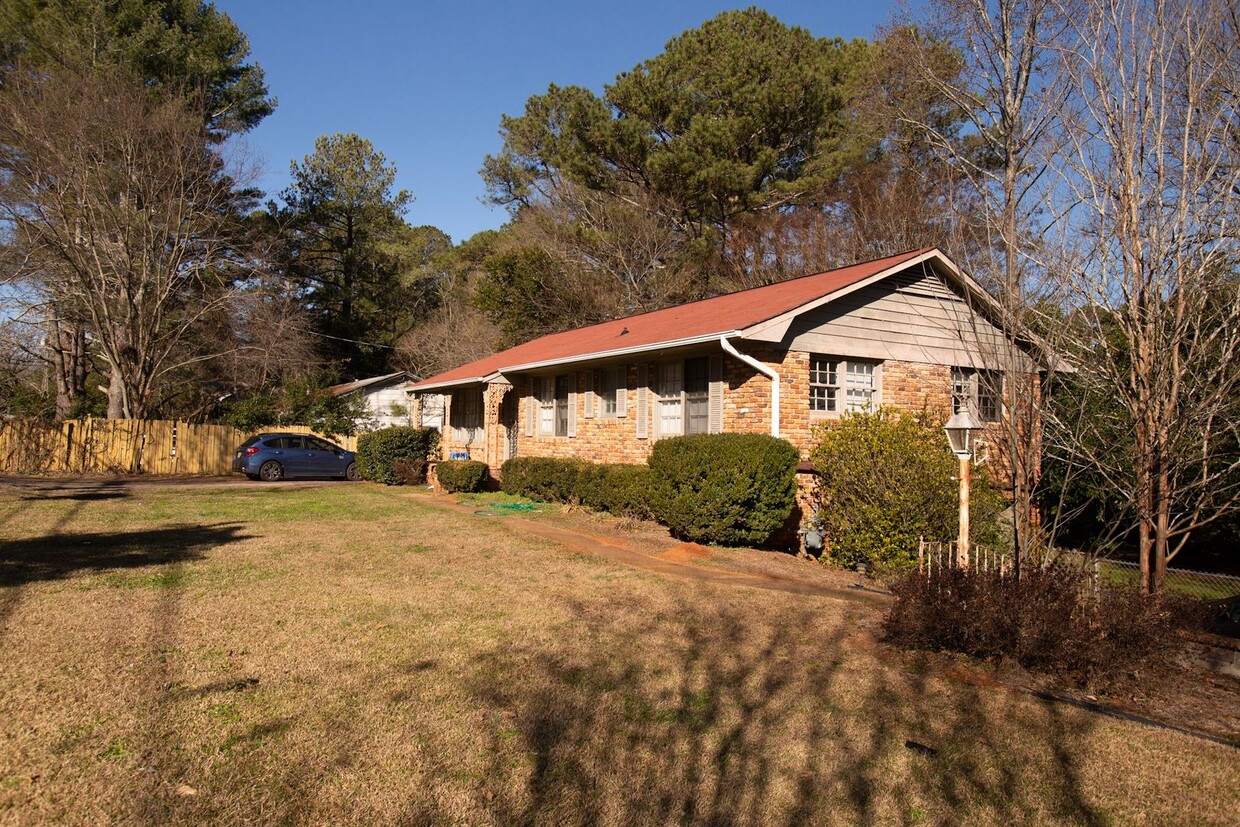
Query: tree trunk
point(67, 343)
point(117, 406)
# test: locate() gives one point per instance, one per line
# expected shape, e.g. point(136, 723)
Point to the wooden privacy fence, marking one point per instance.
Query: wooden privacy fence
point(126, 446)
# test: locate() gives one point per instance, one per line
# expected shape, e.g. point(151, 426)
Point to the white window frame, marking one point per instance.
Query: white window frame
point(560, 404)
point(609, 387)
point(982, 389)
point(546, 405)
point(842, 385)
point(670, 396)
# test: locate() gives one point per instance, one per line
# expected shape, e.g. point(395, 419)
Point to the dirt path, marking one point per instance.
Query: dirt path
point(665, 563)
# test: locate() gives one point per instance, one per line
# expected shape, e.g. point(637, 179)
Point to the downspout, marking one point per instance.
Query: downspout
point(765, 370)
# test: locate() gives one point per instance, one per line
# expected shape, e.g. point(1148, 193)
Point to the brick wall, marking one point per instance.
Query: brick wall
point(600, 439)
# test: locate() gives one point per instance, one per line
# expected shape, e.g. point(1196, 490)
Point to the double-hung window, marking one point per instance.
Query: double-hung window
point(546, 405)
point(610, 383)
point(684, 397)
point(837, 385)
point(979, 389)
point(697, 395)
point(562, 389)
point(671, 399)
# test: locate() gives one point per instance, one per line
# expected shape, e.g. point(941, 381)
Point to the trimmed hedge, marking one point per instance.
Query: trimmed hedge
point(623, 490)
point(377, 451)
point(541, 478)
point(730, 489)
point(462, 476)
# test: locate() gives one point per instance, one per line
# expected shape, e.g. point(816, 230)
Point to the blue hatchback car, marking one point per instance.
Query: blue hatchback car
point(272, 457)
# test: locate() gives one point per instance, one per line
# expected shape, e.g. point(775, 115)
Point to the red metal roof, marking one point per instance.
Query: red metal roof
point(715, 316)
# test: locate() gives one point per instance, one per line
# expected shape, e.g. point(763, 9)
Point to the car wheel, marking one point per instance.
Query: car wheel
point(351, 473)
point(271, 471)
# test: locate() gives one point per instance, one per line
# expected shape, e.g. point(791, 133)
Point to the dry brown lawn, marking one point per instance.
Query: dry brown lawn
point(349, 655)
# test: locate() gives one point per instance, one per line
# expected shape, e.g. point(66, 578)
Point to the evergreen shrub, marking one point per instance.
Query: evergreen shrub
point(543, 478)
point(730, 489)
point(462, 476)
point(623, 490)
point(377, 451)
point(888, 479)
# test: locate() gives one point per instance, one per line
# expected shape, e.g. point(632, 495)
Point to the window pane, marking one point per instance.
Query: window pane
point(989, 386)
point(561, 405)
point(860, 379)
point(699, 414)
point(823, 374)
point(697, 375)
point(608, 380)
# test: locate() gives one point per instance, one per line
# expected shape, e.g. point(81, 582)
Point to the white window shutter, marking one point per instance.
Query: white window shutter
point(589, 400)
point(622, 391)
point(531, 410)
point(715, 421)
point(572, 406)
point(643, 403)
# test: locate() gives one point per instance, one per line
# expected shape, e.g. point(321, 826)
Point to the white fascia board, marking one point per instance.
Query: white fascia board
point(502, 373)
point(627, 351)
point(452, 383)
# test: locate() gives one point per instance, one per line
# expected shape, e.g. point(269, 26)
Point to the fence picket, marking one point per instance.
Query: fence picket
point(100, 446)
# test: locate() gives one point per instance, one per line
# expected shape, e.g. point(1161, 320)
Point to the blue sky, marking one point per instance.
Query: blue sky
point(427, 82)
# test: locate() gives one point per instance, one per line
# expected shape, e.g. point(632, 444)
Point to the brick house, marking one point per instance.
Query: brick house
point(910, 331)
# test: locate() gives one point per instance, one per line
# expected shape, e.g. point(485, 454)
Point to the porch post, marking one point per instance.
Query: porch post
point(495, 437)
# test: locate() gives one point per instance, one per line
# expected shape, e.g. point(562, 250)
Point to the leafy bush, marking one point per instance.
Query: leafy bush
point(297, 403)
point(410, 471)
point(463, 476)
point(378, 450)
point(1050, 620)
point(623, 490)
point(888, 479)
point(732, 489)
point(543, 478)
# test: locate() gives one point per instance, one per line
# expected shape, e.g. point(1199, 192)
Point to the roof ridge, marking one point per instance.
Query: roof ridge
point(917, 251)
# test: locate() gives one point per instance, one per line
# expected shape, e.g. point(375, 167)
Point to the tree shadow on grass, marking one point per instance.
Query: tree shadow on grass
point(702, 716)
point(58, 555)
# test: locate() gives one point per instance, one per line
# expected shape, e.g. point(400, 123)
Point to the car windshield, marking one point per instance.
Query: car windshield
point(251, 441)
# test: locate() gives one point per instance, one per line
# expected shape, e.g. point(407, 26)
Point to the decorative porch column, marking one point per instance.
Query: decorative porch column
point(495, 434)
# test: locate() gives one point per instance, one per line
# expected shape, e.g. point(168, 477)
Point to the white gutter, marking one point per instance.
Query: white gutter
point(624, 351)
point(584, 357)
point(765, 370)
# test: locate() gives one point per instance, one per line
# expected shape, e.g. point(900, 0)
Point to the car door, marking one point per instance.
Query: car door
point(324, 458)
point(291, 452)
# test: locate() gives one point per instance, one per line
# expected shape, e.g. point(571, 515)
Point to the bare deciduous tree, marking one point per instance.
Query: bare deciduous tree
point(1011, 105)
point(1147, 184)
point(119, 207)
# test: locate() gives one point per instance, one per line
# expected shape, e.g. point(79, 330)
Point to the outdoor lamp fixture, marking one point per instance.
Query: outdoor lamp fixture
point(959, 430)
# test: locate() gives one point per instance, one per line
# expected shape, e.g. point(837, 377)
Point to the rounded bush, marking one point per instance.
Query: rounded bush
point(730, 489)
point(887, 479)
point(623, 490)
point(377, 451)
point(462, 476)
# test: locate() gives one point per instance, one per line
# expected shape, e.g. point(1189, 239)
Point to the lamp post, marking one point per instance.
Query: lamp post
point(959, 430)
